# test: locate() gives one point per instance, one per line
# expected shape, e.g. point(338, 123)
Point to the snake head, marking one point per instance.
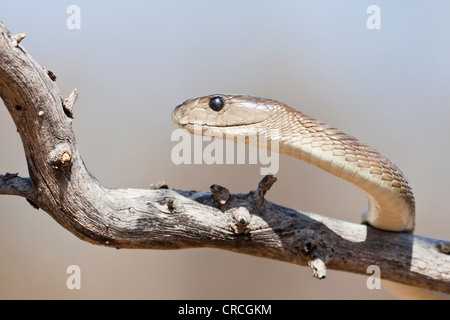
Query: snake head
point(220, 111)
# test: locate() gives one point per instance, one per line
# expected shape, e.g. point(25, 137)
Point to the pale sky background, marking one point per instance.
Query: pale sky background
point(134, 61)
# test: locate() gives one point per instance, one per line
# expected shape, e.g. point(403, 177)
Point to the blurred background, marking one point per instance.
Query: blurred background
point(134, 61)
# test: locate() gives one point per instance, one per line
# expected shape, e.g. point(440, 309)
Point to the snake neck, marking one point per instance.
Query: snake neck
point(391, 202)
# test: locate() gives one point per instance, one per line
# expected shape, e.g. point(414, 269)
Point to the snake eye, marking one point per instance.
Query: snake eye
point(216, 103)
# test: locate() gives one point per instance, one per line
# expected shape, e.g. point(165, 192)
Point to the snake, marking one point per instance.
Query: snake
point(391, 204)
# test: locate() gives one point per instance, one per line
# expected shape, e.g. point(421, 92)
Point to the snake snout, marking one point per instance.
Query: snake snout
point(178, 117)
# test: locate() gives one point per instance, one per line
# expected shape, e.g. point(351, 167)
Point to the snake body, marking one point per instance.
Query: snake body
point(391, 203)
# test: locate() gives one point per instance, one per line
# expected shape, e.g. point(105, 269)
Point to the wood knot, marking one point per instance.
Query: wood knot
point(221, 194)
point(65, 158)
point(240, 220)
point(443, 247)
point(312, 249)
point(51, 75)
point(170, 205)
point(61, 159)
point(305, 241)
point(167, 205)
point(159, 185)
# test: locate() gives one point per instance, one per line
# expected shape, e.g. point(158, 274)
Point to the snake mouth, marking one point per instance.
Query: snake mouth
point(182, 121)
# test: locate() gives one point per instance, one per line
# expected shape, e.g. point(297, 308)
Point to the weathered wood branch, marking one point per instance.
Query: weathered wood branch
point(162, 218)
point(12, 184)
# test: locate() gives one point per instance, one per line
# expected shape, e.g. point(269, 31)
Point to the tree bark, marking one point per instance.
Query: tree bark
point(162, 218)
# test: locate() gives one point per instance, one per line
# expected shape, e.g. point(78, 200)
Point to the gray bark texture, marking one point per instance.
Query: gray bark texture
point(162, 218)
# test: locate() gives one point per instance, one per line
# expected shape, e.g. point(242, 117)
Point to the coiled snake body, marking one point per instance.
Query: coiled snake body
point(390, 200)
